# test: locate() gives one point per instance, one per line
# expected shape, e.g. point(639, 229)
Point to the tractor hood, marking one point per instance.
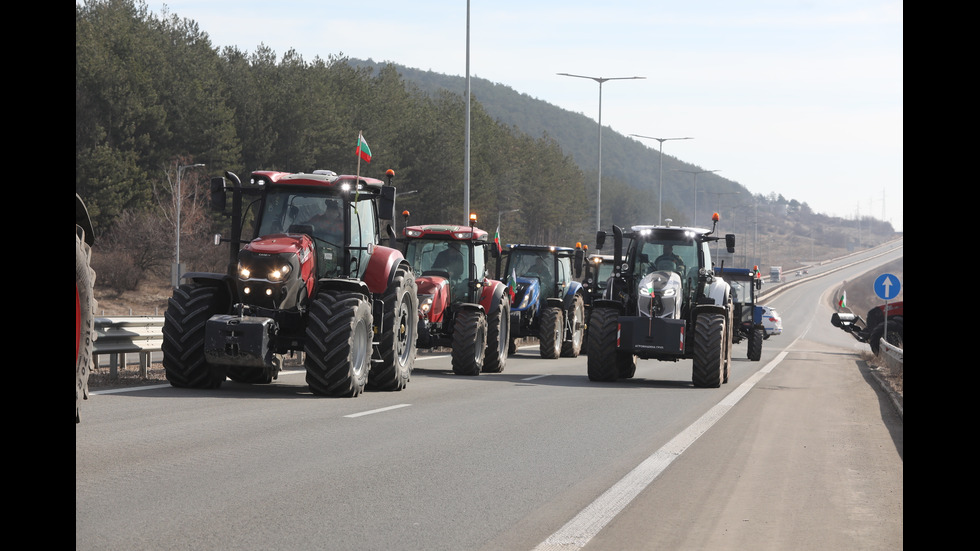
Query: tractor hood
point(278, 271)
point(433, 293)
point(528, 289)
point(659, 295)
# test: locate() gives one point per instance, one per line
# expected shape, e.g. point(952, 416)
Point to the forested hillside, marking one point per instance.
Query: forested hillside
point(153, 97)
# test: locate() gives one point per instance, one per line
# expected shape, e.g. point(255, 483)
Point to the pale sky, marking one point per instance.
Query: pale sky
point(801, 98)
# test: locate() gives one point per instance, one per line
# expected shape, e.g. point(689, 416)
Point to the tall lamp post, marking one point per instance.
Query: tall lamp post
point(695, 173)
point(660, 210)
point(176, 275)
point(600, 80)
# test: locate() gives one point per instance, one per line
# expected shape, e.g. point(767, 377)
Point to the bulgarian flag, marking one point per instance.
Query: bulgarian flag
point(842, 303)
point(496, 239)
point(512, 284)
point(363, 151)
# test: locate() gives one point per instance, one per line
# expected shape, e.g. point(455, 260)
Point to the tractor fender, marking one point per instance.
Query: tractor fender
point(574, 288)
point(719, 290)
point(490, 295)
point(381, 267)
point(607, 303)
point(223, 281)
point(348, 285)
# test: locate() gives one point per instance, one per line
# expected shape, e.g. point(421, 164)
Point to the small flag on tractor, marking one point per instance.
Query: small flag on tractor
point(496, 240)
point(842, 303)
point(363, 151)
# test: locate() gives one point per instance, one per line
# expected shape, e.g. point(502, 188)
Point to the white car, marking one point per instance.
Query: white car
point(771, 322)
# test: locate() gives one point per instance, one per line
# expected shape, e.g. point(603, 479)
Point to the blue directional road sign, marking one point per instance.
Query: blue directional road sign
point(887, 286)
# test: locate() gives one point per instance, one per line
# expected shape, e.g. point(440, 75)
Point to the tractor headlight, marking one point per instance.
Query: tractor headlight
point(425, 304)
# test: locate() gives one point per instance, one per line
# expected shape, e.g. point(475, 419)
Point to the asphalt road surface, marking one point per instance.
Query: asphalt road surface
point(801, 450)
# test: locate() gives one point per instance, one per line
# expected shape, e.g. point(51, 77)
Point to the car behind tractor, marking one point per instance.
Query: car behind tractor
point(748, 314)
point(663, 302)
point(312, 278)
point(459, 306)
point(548, 303)
point(887, 320)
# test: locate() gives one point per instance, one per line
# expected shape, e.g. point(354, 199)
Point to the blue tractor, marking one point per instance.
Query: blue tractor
point(747, 314)
point(547, 302)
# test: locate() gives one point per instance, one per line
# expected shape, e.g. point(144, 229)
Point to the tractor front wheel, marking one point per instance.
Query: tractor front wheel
point(550, 332)
point(188, 312)
point(469, 342)
point(338, 344)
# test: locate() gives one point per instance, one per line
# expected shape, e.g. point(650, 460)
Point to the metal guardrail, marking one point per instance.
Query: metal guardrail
point(893, 356)
point(116, 337)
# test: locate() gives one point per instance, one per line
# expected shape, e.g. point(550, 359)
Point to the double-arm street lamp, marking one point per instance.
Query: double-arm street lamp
point(695, 173)
point(176, 275)
point(600, 80)
point(660, 210)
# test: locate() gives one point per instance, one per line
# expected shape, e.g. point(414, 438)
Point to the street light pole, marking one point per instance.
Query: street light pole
point(180, 170)
point(695, 173)
point(660, 210)
point(503, 212)
point(600, 80)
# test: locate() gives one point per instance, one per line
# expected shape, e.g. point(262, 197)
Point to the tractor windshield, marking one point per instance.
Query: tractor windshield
point(671, 255)
point(539, 264)
point(449, 259)
point(289, 212)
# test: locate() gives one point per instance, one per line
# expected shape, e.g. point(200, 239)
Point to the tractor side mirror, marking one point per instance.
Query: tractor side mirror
point(218, 194)
point(730, 242)
point(386, 203)
point(600, 238)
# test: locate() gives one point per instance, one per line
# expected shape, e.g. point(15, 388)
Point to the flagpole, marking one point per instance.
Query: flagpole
point(357, 178)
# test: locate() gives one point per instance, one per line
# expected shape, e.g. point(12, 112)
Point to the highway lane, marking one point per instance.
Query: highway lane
point(500, 461)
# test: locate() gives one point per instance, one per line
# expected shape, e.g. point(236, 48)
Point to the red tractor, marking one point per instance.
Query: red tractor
point(459, 306)
point(312, 278)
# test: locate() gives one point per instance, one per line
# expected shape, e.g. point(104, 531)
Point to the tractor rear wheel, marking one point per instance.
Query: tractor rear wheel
point(188, 311)
point(498, 337)
point(338, 344)
point(755, 343)
point(469, 342)
point(572, 347)
point(550, 332)
point(895, 333)
point(397, 340)
point(84, 320)
point(709, 350)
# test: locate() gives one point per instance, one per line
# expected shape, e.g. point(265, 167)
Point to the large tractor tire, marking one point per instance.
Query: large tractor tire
point(397, 340)
point(709, 350)
point(85, 307)
point(498, 337)
point(755, 343)
point(729, 344)
point(895, 333)
point(339, 332)
point(572, 346)
point(550, 331)
point(469, 342)
point(603, 365)
point(188, 311)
